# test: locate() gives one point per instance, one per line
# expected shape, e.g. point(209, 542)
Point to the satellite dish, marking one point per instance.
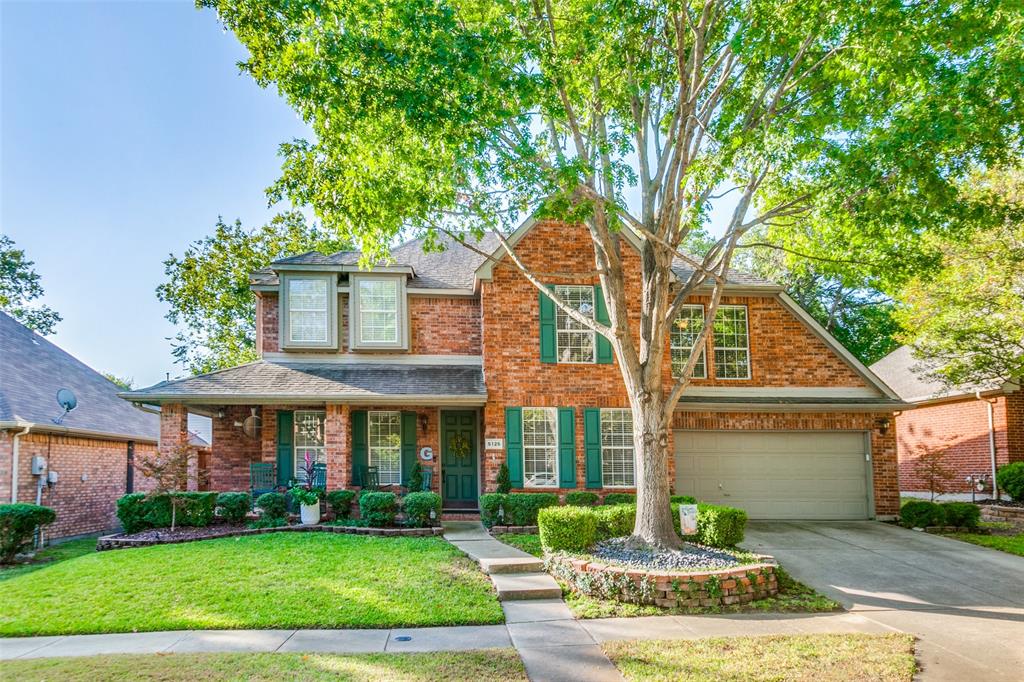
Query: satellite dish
point(251, 425)
point(67, 401)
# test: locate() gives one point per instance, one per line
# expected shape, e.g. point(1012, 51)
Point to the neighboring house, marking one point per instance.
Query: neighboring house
point(978, 428)
point(455, 358)
point(89, 451)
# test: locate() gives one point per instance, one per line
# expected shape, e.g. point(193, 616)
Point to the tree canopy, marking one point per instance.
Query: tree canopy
point(207, 287)
point(19, 286)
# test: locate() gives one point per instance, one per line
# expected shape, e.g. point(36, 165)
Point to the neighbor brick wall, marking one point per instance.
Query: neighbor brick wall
point(960, 428)
point(92, 476)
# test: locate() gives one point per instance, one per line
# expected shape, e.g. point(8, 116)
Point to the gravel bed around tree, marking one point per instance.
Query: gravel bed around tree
point(691, 558)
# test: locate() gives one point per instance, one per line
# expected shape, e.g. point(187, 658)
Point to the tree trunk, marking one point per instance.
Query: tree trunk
point(653, 513)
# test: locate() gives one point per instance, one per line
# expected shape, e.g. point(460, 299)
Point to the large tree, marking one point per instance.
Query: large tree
point(466, 115)
point(19, 286)
point(207, 287)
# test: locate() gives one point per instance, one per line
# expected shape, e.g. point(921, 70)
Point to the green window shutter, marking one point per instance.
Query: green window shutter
point(359, 450)
point(548, 346)
point(605, 356)
point(514, 444)
point(285, 446)
point(408, 444)
point(592, 446)
point(566, 447)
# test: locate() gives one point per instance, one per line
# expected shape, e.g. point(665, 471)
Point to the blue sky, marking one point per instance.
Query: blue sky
point(126, 130)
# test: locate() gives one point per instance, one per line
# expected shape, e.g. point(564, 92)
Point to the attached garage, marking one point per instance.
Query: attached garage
point(778, 474)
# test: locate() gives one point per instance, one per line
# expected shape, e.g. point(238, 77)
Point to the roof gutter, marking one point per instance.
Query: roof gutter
point(14, 462)
point(71, 431)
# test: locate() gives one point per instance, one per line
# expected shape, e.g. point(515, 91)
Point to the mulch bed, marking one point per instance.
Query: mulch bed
point(179, 534)
point(1000, 503)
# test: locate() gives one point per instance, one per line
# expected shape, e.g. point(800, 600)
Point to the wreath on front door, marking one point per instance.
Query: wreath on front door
point(458, 446)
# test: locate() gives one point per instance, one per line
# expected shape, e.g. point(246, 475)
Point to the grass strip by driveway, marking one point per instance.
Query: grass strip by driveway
point(490, 665)
point(286, 580)
point(528, 542)
point(821, 658)
point(1011, 544)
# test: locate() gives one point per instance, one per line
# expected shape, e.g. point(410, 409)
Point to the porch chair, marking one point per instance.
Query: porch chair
point(370, 478)
point(320, 476)
point(262, 479)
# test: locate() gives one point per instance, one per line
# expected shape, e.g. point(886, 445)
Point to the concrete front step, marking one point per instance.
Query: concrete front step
point(511, 565)
point(516, 586)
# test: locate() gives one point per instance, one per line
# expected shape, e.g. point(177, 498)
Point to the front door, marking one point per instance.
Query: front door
point(459, 459)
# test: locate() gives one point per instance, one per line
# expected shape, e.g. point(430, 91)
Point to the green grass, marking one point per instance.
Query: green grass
point(528, 542)
point(491, 665)
point(793, 597)
point(286, 580)
point(821, 658)
point(49, 556)
point(1011, 544)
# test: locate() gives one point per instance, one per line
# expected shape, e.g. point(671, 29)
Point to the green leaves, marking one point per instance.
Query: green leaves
point(19, 286)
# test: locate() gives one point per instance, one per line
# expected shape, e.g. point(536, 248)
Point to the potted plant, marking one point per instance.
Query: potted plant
point(307, 495)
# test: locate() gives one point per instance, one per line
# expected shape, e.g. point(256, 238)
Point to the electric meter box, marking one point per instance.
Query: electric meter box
point(38, 465)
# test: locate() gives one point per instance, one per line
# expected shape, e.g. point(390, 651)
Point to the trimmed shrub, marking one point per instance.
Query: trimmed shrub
point(620, 498)
point(378, 509)
point(1010, 479)
point(569, 529)
point(131, 512)
point(18, 524)
point(922, 513)
point(962, 514)
point(504, 479)
point(234, 506)
point(139, 511)
point(682, 499)
point(417, 507)
point(581, 498)
point(521, 508)
point(489, 504)
point(340, 502)
point(615, 521)
point(716, 526)
point(272, 506)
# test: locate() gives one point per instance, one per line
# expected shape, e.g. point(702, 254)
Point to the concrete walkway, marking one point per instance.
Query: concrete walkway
point(964, 602)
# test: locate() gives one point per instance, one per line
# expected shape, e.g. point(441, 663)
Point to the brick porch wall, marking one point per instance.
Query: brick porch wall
point(93, 474)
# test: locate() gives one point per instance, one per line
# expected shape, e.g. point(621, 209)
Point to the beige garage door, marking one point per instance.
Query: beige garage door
point(776, 475)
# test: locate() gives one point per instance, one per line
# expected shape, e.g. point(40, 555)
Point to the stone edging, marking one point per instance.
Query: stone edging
point(994, 512)
point(666, 589)
point(114, 542)
point(513, 530)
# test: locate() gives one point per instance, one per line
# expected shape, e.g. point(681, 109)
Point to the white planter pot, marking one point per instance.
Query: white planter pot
point(310, 514)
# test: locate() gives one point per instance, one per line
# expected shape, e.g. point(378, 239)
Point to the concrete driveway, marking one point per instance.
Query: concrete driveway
point(965, 603)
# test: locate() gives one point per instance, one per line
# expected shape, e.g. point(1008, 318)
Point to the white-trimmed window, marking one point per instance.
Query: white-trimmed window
point(575, 342)
point(732, 343)
point(540, 447)
point(618, 456)
point(309, 439)
point(378, 312)
point(310, 305)
point(384, 446)
point(687, 327)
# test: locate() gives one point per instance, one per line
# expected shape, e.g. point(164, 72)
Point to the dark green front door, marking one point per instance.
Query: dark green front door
point(459, 458)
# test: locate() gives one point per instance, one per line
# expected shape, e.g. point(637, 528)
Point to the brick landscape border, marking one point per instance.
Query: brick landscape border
point(997, 513)
point(115, 542)
point(667, 589)
point(513, 530)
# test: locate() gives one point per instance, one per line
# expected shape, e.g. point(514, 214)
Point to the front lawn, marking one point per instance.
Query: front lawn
point(50, 555)
point(1011, 544)
point(528, 542)
point(285, 580)
point(822, 658)
point(493, 665)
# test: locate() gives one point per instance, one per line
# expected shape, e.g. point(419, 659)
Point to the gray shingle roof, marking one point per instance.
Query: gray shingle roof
point(32, 370)
point(909, 377)
point(321, 381)
point(684, 271)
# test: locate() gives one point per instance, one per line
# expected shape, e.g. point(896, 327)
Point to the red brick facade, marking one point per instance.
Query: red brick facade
point(960, 429)
point(92, 475)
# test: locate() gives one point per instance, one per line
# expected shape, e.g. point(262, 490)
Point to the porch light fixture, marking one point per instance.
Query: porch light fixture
point(423, 422)
point(501, 513)
point(882, 424)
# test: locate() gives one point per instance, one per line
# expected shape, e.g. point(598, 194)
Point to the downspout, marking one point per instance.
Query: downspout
point(991, 443)
point(16, 441)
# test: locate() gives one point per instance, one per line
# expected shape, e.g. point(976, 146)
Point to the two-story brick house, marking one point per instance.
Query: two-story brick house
point(456, 359)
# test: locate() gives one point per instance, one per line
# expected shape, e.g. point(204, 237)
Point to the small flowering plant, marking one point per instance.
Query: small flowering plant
point(304, 491)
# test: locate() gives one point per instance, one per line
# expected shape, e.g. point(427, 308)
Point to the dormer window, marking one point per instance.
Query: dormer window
point(309, 311)
point(378, 312)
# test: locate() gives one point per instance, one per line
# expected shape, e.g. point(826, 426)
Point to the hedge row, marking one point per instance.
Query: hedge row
point(922, 513)
point(1010, 479)
point(520, 509)
point(577, 529)
point(139, 511)
point(18, 525)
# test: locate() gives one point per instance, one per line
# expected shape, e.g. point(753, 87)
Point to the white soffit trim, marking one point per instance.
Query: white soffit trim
point(785, 391)
point(372, 359)
point(739, 406)
point(831, 341)
point(302, 399)
point(75, 432)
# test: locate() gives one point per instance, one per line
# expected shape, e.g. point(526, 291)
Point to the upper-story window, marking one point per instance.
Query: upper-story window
point(732, 343)
point(378, 312)
point(309, 311)
point(575, 342)
point(687, 328)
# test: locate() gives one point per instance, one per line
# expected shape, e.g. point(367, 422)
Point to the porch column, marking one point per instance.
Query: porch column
point(174, 435)
point(336, 437)
point(268, 435)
